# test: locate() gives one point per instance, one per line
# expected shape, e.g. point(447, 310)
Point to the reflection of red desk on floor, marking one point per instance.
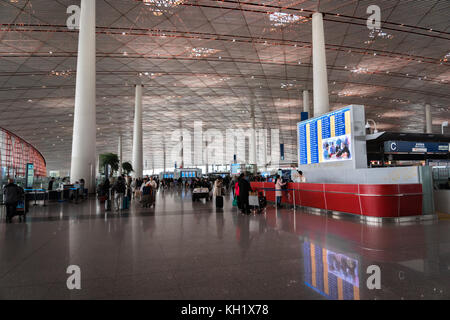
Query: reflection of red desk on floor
point(371, 200)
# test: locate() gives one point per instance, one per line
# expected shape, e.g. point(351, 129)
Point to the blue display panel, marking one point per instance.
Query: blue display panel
point(331, 274)
point(326, 138)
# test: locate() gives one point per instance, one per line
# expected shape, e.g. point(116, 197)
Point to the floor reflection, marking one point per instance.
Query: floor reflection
point(196, 251)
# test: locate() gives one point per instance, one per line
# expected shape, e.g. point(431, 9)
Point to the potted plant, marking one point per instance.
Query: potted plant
point(111, 160)
point(127, 168)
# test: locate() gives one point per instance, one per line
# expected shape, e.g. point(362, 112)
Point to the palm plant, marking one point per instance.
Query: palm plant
point(110, 159)
point(127, 168)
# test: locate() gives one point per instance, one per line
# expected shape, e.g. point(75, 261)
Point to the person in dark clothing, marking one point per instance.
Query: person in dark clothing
point(106, 186)
point(50, 184)
point(119, 189)
point(13, 194)
point(244, 190)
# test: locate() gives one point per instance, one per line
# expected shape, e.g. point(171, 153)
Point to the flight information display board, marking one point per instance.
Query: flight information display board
point(326, 138)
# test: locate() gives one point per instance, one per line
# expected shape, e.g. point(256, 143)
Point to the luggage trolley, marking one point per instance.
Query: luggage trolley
point(21, 209)
point(199, 193)
point(257, 201)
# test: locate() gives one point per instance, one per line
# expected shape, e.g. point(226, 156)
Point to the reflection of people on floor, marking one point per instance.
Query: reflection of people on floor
point(243, 232)
point(220, 223)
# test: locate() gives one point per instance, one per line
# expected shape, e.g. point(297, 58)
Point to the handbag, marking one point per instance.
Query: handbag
point(235, 202)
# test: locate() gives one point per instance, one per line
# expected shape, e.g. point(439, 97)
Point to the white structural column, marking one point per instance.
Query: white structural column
point(252, 155)
point(119, 151)
point(138, 157)
point(84, 120)
point(306, 103)
point(320, 79)
point(428, 119)
point(206, 156)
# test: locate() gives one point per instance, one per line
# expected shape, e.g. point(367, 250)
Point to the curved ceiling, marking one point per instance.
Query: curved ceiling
point(210, 60)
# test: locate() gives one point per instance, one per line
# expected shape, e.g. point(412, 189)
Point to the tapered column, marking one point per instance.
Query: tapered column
point(206, 157)
point(119, 152)
point(164, 154)
point(138, 157)
point(428, 120)
point(253, 137)
point(306, 103)
point(320, 79)
point(265, 148)
point(84, 120)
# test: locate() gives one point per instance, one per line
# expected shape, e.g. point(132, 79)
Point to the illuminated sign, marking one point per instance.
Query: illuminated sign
point(326, 138)
point(419, 147)
point(30, 175)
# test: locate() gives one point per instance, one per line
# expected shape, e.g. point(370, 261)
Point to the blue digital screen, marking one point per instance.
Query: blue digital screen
point(326, 138)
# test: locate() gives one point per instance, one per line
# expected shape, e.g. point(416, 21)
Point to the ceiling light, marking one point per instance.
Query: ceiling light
point(202, 52)
point(280, 19)
point(360, 70)
point(378, 33)
point(163, 3)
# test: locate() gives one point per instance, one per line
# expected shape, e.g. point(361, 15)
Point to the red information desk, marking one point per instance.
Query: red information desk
point(371, 200)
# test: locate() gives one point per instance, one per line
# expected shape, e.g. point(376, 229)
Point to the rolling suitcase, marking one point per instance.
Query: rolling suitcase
point(107, 205)
point(125, 203)
point(219, 202)
point(20, 212)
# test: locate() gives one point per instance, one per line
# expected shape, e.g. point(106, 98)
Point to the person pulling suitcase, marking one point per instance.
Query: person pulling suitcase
point(12, 195)
point(218, 185)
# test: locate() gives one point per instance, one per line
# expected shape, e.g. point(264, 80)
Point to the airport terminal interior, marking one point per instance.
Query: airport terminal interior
point(224, 149)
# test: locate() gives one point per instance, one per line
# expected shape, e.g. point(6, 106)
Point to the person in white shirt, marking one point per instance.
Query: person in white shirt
point(301, 176)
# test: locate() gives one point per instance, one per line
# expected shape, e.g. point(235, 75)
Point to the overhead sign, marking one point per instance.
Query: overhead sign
point(415, 147)
point(235, 168)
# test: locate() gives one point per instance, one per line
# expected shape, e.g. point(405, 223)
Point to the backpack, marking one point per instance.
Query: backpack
point(146, 190)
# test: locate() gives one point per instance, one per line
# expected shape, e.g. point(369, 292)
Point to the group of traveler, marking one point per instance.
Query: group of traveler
point(125, 188)
point(242, 189)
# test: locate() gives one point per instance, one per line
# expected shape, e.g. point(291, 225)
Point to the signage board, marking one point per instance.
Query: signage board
point(416, 147)
point(235, 168)
point(327, 138)
point(30, 176)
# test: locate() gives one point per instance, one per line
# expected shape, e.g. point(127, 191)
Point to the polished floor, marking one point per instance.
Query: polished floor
point(186, 250)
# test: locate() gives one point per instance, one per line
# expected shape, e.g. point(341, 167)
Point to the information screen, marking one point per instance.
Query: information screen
point(236, 168)
point(326, 138)
point(30, 175)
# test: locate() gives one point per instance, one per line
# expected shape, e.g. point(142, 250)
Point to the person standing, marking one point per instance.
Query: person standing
point(133, 187)
point(50, 184)
point(119, 189)
point(244, 190)
point(302, 178)
point(13, 194)
point(278, 189)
